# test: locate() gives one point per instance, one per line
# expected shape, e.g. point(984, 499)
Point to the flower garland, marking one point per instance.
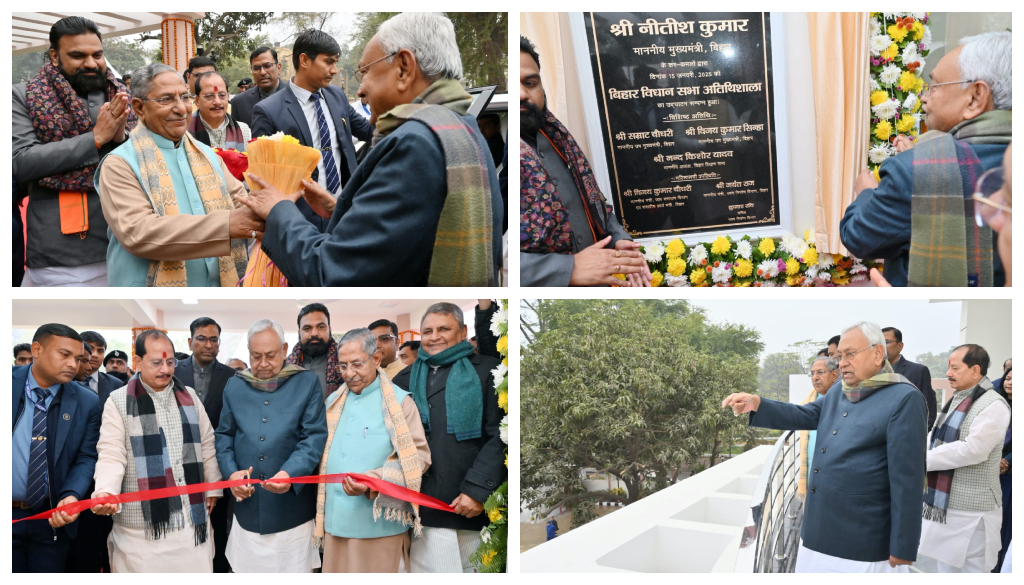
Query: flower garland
point(898, 43)
point(790, 261)
point(492, 554)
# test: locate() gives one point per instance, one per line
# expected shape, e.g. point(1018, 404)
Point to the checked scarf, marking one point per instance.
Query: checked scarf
point(403, 467)
point(936, 497)
point(886, 377)
point(544, 223)
point(464, 246)
point(58, 113)
point(274, 382)
point(334, 380)
point(947, 248)
point(153, 465)
point(464, 402)
point(156, 182)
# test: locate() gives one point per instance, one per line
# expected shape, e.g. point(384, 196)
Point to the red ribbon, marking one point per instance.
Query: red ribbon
point(377, 485)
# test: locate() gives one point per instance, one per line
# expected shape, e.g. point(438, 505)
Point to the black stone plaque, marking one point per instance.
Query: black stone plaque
point(686, 104)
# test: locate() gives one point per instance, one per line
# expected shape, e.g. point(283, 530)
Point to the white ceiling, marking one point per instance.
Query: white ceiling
point(30, 31)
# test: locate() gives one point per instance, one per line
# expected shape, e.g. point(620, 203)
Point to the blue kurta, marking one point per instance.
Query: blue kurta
point(361, 443)
point(124, 269)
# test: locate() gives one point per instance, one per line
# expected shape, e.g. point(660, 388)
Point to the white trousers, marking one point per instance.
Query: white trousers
point(975, 561)
point(443, 550)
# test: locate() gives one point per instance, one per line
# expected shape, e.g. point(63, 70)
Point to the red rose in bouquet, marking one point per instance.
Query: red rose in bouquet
point(236, 162)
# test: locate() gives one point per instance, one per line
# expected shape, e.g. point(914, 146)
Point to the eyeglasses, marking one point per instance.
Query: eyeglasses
point(849, 356)
point(263, 67)
point(362, 70)
point(989, 198)
point(202, 339)
point(385, 338)
point(168, 100)
point(931, 86)
point(209, 96)
point(157, 363)
point(891, 342)
point(814, 373)
point(353, 365)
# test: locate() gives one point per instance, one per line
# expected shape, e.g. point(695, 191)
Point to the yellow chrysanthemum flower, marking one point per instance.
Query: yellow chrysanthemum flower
point(919, 86)
point(879, 96)
point(917, 31)
point(506, 460)
point(916, 108)
point(290, 140)
point(883, 130)
point(743, 268)
point(896, 33)
point(487, 557)
point(767, 246)
point(675, 249)
point(505, 361)
point(503, 344)
point(742, 284)
point(792, 266)
point(503, 400)
point(810, 257)
point(891, 51)
point(792, 280)
point(494, 514)
point(676, 266)
point(874, 171)
point(697, 276)
point(657, 278)
point(907, 81)
point(905, 123)
point(841, 280)
point(721, 245)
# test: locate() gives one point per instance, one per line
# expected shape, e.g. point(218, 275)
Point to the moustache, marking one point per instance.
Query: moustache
point(531, 118)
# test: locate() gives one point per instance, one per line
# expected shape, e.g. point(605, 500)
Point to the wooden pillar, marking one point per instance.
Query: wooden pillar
point(178, 34)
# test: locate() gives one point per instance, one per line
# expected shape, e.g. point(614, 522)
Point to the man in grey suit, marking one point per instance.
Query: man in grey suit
point(918, 374)
point(865, 490)
point(64, 120)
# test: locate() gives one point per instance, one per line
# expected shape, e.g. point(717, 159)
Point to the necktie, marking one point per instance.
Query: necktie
point(331, 170)
point(37, 484)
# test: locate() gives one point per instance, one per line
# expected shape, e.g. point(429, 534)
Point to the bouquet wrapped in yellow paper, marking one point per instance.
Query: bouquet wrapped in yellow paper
point(281, 161)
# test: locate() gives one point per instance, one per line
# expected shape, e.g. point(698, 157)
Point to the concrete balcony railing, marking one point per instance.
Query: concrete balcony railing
point(699, 525)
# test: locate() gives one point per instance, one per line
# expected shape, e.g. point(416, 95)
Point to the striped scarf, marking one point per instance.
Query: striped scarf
point(464, 246)
point(272, 383)
point(403, 467)
point(463, 398)
point(885, 377)
point(156, 182)
point(152, 462)
point(334, 380)
point(58, 113)
point(947, 248)
point(936, 496)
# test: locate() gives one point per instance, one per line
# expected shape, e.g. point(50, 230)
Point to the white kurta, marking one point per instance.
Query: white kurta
point(809, 561)
point(444, 550)
point(176, 552)
point(290, 551)
point(948, 543)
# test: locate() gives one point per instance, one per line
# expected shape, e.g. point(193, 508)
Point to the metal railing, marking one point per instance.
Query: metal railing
point(772, 534)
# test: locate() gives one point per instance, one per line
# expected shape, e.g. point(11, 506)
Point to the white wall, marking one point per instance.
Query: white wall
point(987, 323)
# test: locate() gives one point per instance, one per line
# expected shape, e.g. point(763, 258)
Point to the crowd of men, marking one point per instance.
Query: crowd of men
point(870, 439)
point(125, 188)
point(428, 422)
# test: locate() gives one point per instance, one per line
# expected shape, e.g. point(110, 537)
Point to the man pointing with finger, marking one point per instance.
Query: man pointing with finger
point(866, 485)
point(568, 235)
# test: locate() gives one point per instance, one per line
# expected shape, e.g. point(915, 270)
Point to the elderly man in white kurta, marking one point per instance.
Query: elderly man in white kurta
point(963, 503)
point(155, 433)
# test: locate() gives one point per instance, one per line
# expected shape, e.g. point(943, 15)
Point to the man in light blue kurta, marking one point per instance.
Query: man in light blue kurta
point(374, 429)
point(169, 200)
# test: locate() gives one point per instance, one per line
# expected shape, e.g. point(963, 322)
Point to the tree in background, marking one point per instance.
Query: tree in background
point(938, 363)
point(124, 54)
point(631, 388)
point(775, 372)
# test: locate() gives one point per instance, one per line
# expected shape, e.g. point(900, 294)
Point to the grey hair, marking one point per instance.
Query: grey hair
point(431, 38)
point(986, 57)
point(363, 336)
point(445, 309)
point(830, 363)
point(871, 331)
point(142, 78)
point(263, 325)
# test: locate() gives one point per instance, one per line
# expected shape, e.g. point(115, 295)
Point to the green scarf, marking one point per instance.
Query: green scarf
point(463, 401)
point(992, 127)
point(886, 377)
point(464, 245)
point(273, 383)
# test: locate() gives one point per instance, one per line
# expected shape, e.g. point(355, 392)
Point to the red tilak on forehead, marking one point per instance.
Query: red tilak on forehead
point(215, 88)
point(165, 355)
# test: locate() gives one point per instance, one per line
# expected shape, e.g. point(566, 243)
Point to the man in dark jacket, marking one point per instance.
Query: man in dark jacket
point(865, 491)
point(266, 71)
point(918, 374)
point(401, 187)
point(207, 376)
point(454, 390)
point(99, 382)
point(57, 469)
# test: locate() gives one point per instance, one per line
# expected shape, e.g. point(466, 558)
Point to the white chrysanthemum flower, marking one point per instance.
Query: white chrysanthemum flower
point(499, 317)
point(857, 268)
point(891, 15)
point(917, 116)
point(769, 269)
point(826, 276)
point(503, 429)
point(875, 26)
point(721, 274)
point(678, 281)
point(498, 373)
point(910, 102)
point(485, 534)
point(886, 110)
point(744, 249)
point(811, 273)
point(859, 278)
point(767, 284)
point(926, 40)
point(878, 154)
point(875, 86)
point(825, 261)
point(918, 15)
point(890, 74)
point(910, 53)
point(698, 254)
point(878, 43)
point(653, 253)
point(795, 245)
